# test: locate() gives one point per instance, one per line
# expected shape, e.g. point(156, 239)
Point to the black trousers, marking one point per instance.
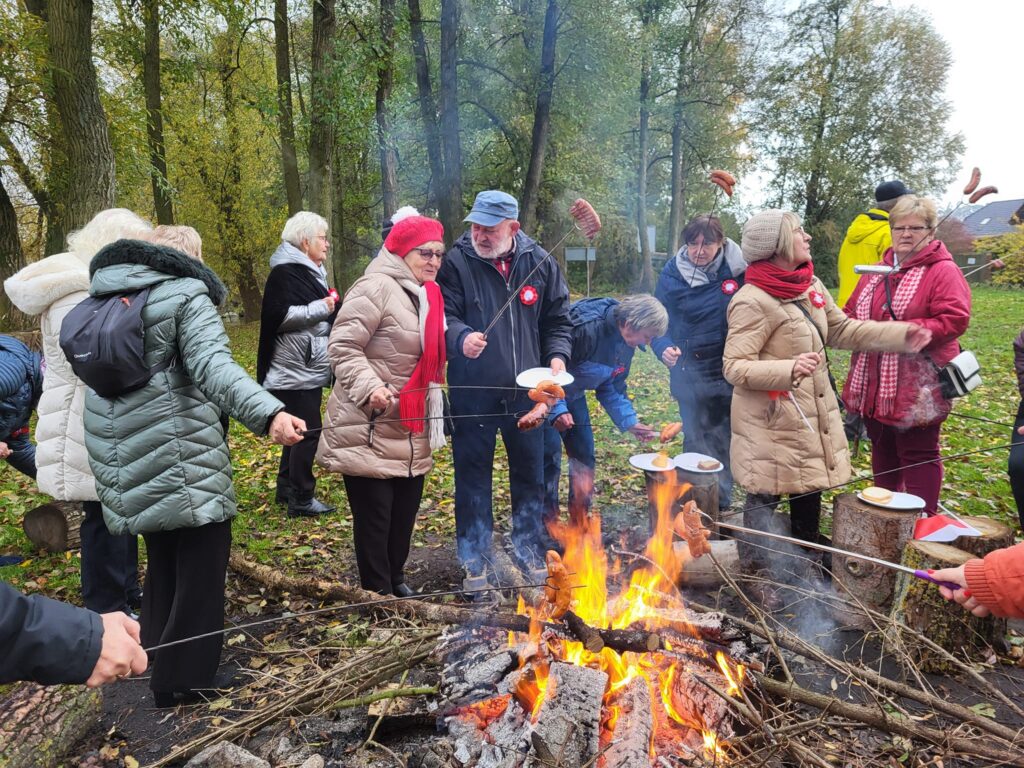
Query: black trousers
point(383, 516)
point(759, 514)
point(184, 597)
point(110, 565)
point(296, 467)
point(1015, 464)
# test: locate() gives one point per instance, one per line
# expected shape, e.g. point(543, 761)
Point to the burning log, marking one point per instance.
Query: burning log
point(568, 728)
point(629, 725)
point(583, 632)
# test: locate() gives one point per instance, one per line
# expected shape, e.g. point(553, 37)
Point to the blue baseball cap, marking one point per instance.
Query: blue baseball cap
point(492, 207)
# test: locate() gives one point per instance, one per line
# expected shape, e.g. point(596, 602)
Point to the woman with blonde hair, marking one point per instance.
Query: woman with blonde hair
point(899, 394)
point(787, 432)
point(51, 288)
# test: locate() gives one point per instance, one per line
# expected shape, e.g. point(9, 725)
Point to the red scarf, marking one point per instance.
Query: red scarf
point(412, 400)
point(778, 282)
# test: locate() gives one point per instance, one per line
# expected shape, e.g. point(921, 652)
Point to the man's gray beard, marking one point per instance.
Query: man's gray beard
point(504, 246)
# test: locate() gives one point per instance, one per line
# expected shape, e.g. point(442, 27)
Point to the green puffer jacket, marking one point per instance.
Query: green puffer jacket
point(159, 453)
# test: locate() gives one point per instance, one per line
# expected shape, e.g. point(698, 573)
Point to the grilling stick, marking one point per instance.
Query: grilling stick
point(919, 573)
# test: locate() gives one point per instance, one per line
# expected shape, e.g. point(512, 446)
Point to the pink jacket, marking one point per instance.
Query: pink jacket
point(997, 582)
point(942, 303)
point(1018, 361)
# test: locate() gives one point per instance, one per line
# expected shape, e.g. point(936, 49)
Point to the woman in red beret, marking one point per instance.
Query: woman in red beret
point(384, 413)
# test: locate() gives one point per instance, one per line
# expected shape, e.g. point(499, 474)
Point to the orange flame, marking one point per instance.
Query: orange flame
point(531, 688)
point(735, 681)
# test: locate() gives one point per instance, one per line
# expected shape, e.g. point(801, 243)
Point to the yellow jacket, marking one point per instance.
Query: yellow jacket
point(867, 239)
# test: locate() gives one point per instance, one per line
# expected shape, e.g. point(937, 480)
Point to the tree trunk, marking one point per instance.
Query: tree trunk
point(541, 120)
point(285, 120)
point(385, 80)
point(154, 112)
point(451, 148)
point(678, 171)
point(428, 113)
point(12, 257)
point(321, 127)
point(994, 535)
point(39, 725)
point(646, 267)
point(55, 527)
point(90, 171)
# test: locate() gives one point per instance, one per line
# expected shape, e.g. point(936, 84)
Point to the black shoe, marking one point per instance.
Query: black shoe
point(284, 493)
point(404, 590)
point(308, 508)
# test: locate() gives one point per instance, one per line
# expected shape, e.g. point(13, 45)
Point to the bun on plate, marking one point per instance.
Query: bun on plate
point(877, 495)
point(662, 461)
point(709, 464)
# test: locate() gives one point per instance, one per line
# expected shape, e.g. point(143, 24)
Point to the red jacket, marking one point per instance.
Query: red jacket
point(941, 303)
point(997, 582)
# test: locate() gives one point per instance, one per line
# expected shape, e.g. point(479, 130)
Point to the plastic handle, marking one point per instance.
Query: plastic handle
point(947, 584)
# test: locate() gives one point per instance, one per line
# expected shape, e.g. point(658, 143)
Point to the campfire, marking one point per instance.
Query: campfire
point(614, 671)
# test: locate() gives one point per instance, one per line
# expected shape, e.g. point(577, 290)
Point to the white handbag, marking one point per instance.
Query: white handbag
point(960, 375)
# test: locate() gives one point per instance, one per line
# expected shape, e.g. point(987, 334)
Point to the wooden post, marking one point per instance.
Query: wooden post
point(919, 605)
point(869, 530)
point(54, 527)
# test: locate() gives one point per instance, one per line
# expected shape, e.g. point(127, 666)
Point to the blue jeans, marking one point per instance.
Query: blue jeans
point(110, 565)
point(705, 403)
point(579, 447)
point(473, 443)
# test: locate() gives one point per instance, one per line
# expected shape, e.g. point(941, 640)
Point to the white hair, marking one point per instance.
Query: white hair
point(304, 225)
point(103, 229)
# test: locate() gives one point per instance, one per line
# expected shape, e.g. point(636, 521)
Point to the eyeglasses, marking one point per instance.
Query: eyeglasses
point(702, 244)
point(325, 238)
point(430, 255)
point(909, 229)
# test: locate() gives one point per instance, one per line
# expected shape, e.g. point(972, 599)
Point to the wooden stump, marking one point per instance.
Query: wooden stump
point(869, 530)
point(701, 572)
point(994, 535)
point(40, 725)
point(54, 527)
point(919, 605)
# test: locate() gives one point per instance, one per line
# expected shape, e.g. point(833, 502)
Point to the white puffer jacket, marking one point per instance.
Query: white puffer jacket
point(51, 288)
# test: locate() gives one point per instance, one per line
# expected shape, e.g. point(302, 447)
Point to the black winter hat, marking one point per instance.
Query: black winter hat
point(890, 190)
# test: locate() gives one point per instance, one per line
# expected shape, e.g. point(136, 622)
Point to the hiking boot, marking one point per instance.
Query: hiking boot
point(404, 590)
point(311, 507)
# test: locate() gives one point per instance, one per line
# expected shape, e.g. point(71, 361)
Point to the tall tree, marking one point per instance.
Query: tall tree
point(90, 156)
point(648, 11)
point(541, 118)
point(385, 82)
point(321, 108)
point(451, 142)
point(12, 258)
point(154, 113)
point(285, 117)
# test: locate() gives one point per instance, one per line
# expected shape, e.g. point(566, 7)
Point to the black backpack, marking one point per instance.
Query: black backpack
point(102, 338)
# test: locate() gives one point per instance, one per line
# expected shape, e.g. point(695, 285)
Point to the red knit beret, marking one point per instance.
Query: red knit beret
point(412, 232)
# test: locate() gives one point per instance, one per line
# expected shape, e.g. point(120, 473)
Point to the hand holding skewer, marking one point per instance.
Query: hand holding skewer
point(381, 398)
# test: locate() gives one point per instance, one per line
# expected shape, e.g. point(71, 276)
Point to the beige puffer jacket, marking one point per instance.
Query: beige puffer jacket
point(773, 450)
point(375, 341)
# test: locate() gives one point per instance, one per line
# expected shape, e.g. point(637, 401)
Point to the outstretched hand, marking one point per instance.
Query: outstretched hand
point(286, 429)
point(918, 337)
point(121, 651)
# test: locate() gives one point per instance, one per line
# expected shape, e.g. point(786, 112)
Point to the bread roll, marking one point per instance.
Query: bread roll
point(662, 461)
point(709, 464)
point(877, 495)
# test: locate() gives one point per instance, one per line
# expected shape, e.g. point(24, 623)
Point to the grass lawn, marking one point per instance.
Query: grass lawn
point(975, 485)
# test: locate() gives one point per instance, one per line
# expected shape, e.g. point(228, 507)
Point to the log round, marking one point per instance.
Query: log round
point(875, 531)
point(39, 725)
point(994, 535)
point(919, 605)
point(54, 527)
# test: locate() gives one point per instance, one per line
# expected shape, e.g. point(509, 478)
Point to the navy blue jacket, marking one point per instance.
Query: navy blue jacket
point(526, 336)
point(600, 361)
point(45, 640)
point(697, 322)
point(21, 383)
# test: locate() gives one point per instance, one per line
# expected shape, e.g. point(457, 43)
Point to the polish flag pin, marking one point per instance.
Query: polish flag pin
point(729, 287)
point(528, 295)
point(333, 293)
point(817, 299)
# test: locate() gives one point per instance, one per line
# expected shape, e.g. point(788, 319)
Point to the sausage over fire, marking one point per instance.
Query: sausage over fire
point(975, 180)
point(990, 190)
point(669, 431)
point(688, 526)
point(557, 590)
point(586, 218)
point(547, 392)
point(533, 418)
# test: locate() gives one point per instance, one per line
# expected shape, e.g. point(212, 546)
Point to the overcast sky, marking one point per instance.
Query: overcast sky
point(987, 41)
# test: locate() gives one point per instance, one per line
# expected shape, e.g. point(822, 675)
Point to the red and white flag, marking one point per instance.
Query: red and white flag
point(944, 527)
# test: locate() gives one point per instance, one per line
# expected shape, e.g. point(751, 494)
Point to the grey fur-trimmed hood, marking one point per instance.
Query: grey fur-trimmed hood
point(161, 259)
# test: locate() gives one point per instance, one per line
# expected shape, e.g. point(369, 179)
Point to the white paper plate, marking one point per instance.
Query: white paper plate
point(688, 461)
point(531, 377)
point(645, 461)
point(900, 500)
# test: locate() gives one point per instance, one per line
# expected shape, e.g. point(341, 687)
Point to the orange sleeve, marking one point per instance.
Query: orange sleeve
point(997, 582)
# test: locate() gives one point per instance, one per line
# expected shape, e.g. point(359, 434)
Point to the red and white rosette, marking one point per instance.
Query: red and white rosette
point(730, 286)
point(528, 295)
point(817, 299)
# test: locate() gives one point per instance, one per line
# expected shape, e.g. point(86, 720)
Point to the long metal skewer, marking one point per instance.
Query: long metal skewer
point(921, 574)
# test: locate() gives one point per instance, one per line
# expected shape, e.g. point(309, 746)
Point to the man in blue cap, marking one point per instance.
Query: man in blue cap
point(491, 263)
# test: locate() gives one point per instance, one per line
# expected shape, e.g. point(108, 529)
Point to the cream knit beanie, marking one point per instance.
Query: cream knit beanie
point(761, 235)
